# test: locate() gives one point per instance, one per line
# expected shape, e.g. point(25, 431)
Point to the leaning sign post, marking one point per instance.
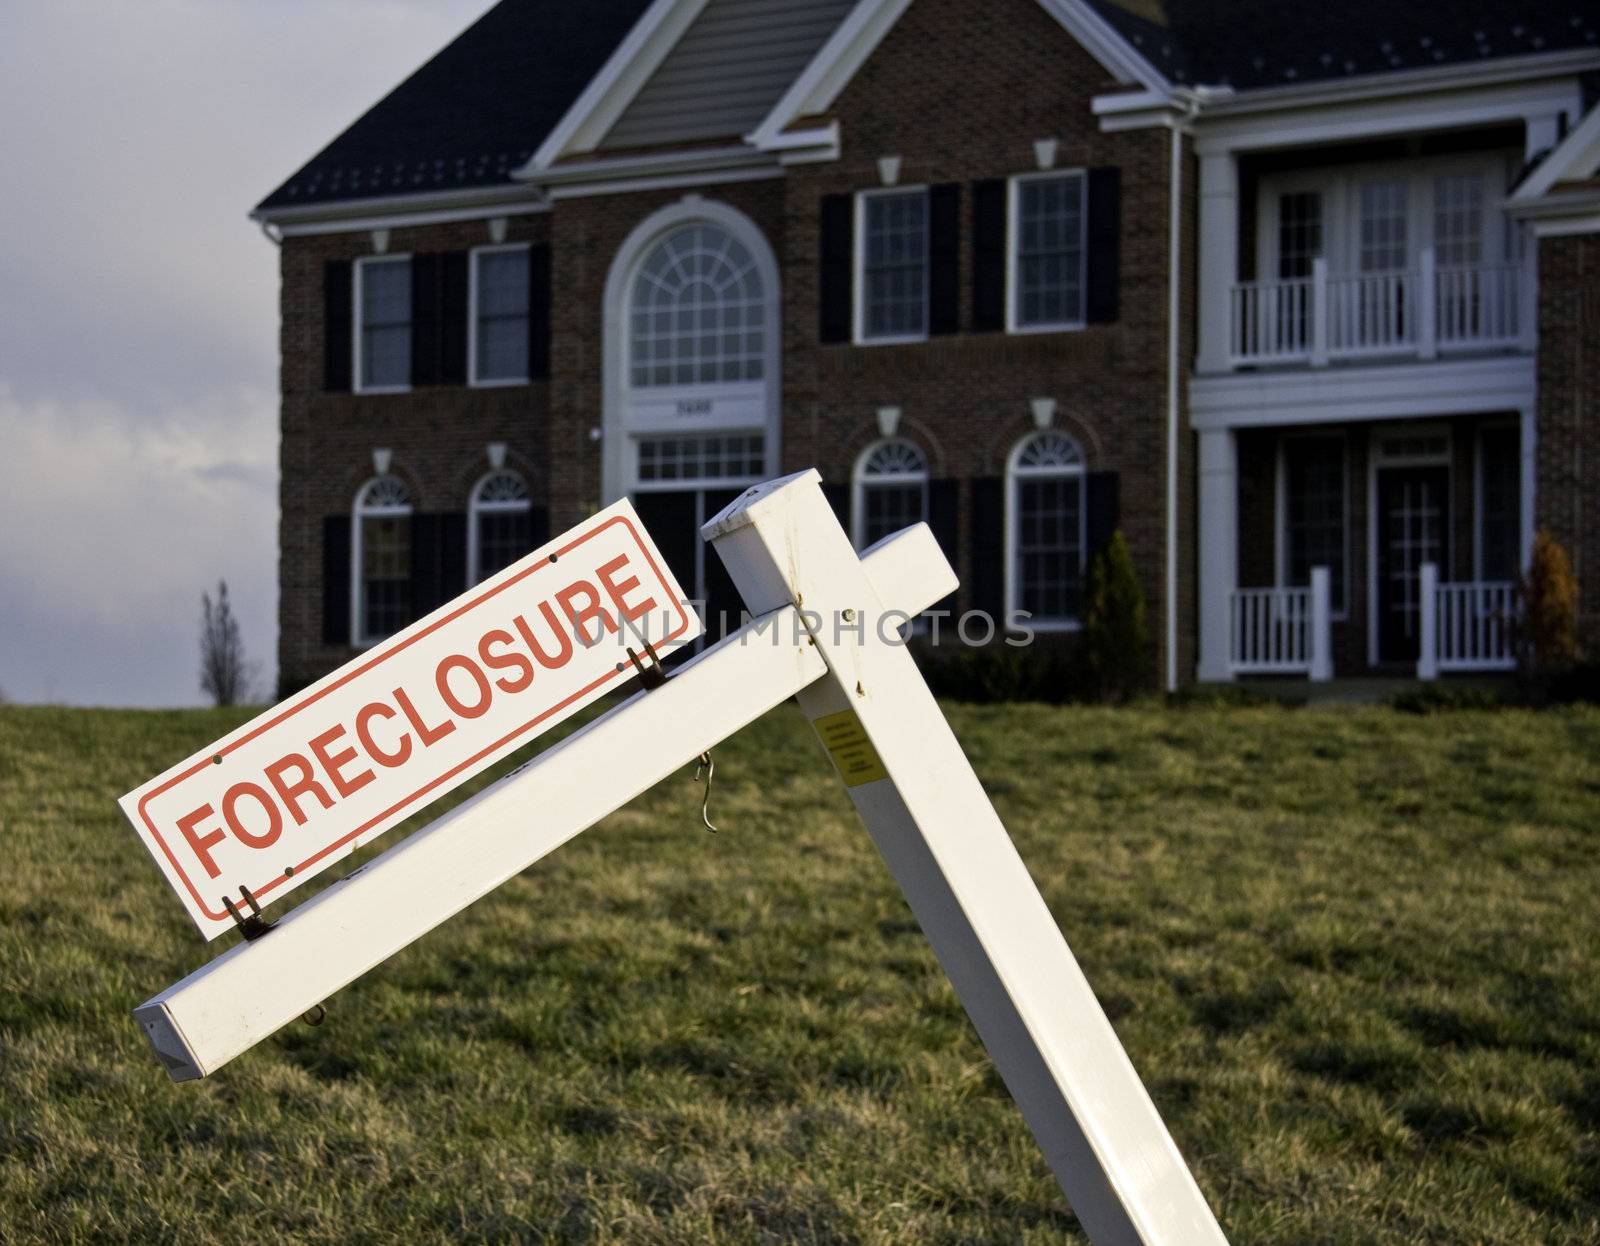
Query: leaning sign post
point(818, 634)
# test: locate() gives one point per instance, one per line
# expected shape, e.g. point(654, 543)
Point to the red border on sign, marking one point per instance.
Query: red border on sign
point(381, 657)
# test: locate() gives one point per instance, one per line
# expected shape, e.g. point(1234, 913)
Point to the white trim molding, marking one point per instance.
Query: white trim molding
point(621, 78)
point(401, 211)
point(859, 35)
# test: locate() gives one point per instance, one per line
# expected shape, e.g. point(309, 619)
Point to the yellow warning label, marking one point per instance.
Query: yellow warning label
point(847, 743)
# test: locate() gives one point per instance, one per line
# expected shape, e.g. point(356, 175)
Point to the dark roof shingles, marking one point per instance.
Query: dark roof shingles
point(476, 111)
point(1259, 43)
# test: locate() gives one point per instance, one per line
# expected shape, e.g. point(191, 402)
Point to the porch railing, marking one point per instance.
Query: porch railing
point(1466, 625)
point(1418, 312)
point(1282, 631)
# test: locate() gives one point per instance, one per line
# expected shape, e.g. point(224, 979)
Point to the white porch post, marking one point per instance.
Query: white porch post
point(1219, 549)
point(1218, 260)
point(1319, 312)
point(1427, 306)
point(1428, 622)
point(1321, 625)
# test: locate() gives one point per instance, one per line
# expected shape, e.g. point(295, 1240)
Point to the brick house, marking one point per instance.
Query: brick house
point(1281, 295)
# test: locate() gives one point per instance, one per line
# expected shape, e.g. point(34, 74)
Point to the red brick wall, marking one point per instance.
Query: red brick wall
point(1568, 496)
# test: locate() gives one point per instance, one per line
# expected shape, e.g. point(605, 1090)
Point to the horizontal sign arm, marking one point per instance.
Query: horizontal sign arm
point(245, 995)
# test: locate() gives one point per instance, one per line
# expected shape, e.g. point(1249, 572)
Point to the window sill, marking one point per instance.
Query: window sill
point(507, 382)
point(1022, 330)
point(379, 390)
point(904, 339)
point(1015, 624)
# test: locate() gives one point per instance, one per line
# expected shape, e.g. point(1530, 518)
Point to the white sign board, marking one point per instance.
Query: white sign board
point(304, 784)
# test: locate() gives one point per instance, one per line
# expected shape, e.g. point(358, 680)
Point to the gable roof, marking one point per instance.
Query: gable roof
point(1260, 43)
point(474, 113)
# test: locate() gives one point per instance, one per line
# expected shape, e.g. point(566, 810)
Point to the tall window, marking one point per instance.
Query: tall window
point(383, 338)
point(381, 566)
point(1314, 512)
point(891, 481)
point(1046, 529)
point(1048, 224)
point(500, 315)
point(698, 312)
point(893, 281)
point(1384, 212)
point(1299, 233)
point(1499, 502)
point(1458, 220)
point(500, 522)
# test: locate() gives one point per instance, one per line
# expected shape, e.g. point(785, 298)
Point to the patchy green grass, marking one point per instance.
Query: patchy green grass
point(1355, 955)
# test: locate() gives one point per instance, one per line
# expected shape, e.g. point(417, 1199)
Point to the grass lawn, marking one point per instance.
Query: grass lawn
point(1355, 955)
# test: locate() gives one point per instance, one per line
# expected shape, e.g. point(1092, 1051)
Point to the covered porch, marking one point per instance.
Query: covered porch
point(1363, 547)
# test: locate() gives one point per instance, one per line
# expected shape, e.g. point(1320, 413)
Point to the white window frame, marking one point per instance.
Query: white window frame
point(685, 483)
point(1014, 474)
point(859, 267)
point(1014, 248)
point(363, 510)
point(473, 379)
point(476, 507)
point(859, 483)
point(360, 266)
point(1280, 523)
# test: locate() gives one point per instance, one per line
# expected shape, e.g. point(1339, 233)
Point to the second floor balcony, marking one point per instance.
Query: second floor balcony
point(1421, 312)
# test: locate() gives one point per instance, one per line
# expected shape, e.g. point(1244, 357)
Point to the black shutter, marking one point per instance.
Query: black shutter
point(1102, 511)
point(452, 556)
point(1105, 246)
point(838, 263)
point(539, 312)
point(336, 579)
point(989, 256)
point(453, 318)
point(337, 325)
point(986, 586)
point(426, 573)
point(944, 518)
point(838, 496)
point(538, 526)
point(944, 258)
point(425, 319)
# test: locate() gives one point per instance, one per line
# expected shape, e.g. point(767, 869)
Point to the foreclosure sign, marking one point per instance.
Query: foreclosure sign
point(294, 790)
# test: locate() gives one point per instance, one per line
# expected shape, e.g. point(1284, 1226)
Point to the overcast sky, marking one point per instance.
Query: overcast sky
point(138, 315)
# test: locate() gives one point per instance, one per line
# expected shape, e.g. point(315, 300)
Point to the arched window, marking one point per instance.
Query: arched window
point(697, 312)
point(891, 490)
point(499, 524)
point(1045, 529)
point(380, 562)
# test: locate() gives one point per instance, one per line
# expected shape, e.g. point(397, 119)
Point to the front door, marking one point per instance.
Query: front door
point(673, 517)
point(1413, 520)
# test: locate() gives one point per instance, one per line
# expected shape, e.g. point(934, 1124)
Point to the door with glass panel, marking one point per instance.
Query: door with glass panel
point(1299, 246)
point(1413, 522)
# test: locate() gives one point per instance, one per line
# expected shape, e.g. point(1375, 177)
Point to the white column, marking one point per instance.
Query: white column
point(1321, 625)
point(927, 813)
point(1427, 306)
point(1218, 260)
point(1428, 622)
point(1319, 312)
point(1219, 549)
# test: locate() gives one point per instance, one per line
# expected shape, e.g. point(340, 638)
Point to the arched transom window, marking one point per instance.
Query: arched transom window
point(380, 562)
point(891, 483)
point(1045, 529)
point(697, 312)
point(500, 528)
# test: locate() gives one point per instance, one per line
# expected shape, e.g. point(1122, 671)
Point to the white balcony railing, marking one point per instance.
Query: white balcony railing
point(1282, 631)
point(1467, 625)
point(1418, 312)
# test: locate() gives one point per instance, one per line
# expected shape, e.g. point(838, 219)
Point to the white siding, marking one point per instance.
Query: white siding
point(727, 71)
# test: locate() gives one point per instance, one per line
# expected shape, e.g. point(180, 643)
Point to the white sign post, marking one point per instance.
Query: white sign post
point(823, 632)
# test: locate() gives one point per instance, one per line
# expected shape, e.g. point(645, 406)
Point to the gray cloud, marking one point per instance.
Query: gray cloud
point(138, 314)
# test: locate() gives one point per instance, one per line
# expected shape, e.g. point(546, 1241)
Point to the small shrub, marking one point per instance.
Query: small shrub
point(1047, 670)
point(1116, 636)
point(1549, 608)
